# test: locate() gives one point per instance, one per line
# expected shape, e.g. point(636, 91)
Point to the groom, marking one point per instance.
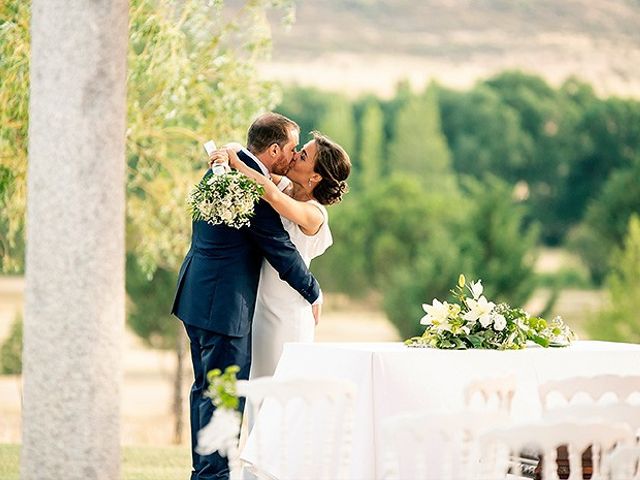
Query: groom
point(218, 281)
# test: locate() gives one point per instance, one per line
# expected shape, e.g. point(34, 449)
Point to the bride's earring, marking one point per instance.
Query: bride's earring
point(309, 183)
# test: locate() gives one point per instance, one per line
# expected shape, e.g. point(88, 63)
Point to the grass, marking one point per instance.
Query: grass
point(138, 463)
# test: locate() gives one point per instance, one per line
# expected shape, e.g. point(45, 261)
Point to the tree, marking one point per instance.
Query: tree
point(620, 321)
point(371, 152)
point(605, 222)
point(14, 98)
point(11, 350)
point(484, 133)
point(608, 134)
point(379, 230)
point(419, 147)
point(305, 105)
point(191, 77)
point(485, 239)
point(148, 316)
point(497, 241)
point(338, 122)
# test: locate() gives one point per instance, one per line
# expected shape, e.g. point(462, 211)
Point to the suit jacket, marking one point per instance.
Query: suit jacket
point(218, 279)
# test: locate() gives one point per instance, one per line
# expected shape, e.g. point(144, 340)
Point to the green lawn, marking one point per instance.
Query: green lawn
point(138, 463)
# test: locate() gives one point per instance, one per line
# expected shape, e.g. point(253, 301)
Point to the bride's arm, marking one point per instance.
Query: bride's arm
point(307, 216)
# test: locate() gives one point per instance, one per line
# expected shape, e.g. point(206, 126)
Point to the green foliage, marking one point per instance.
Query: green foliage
point(486, 236)
point(306, 106)
point(191, 77)
point(11, 350)
point(606, 219)
point(484, 133)
point(338, 122)
point(379, 230)
point(500, 247)
point(419, 147)
point(149, 303)
point(14, 98)
point(6, 178)
point(609, 139)
point(371, 147)
point(621, 320)
point(430, 276)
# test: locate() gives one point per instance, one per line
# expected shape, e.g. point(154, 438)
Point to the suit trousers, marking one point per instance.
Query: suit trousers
point(211, 350)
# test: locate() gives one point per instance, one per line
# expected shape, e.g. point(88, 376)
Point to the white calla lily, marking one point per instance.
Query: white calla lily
point(479, 310)
point(476, 289)
point(437, 312)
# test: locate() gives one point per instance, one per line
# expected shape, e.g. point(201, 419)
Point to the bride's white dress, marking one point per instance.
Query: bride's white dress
point(282, 314)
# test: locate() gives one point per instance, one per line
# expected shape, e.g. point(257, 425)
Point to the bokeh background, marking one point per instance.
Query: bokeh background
point(495, 138)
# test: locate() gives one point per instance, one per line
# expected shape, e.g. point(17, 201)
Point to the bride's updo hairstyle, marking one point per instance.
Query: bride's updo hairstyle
point(334, 166)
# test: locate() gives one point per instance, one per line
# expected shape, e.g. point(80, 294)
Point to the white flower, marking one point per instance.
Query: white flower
point(437, 313)
point(476, 289)
point(479, 310)
point(221, 433)
point(499, 322)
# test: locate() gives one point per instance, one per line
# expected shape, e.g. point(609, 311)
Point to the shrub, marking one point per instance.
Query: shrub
point(11, 350)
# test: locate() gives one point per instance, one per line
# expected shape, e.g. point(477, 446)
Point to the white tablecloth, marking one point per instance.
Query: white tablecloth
point(392, 379)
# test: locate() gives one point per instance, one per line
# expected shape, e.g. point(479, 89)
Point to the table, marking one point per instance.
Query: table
point(392, 379)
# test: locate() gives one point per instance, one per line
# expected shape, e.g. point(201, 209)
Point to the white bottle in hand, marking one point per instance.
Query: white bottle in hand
point(216, 168)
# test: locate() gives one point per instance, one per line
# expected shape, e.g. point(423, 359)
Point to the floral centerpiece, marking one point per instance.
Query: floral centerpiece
point(224, 197)
point(472, 321)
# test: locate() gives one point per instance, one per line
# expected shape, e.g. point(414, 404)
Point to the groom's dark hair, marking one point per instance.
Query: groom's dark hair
point(268, 129)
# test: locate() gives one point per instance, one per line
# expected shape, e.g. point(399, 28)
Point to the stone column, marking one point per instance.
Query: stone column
point(74, 299)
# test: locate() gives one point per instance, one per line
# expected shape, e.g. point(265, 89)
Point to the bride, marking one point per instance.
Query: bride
point(316, 177)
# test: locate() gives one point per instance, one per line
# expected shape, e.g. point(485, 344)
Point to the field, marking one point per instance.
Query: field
point(138, 463)
point(358, 46)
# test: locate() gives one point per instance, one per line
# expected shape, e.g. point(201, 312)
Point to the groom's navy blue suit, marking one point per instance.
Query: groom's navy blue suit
point(216, 297)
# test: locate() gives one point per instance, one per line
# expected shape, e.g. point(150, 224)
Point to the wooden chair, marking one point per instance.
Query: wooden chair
point(313, 418)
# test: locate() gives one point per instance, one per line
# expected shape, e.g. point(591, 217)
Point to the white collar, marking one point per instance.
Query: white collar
point(265, 170)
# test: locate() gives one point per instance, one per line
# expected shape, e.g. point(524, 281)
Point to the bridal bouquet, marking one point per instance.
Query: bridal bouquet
point(221, 433)
point(224, 197)
point(475, 322)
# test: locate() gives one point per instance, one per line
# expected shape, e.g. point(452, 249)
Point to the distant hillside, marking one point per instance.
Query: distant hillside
point(357, 45)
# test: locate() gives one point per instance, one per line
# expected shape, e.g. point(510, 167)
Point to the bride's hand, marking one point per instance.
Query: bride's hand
point(317, 310)
point(235, 146)
point(233, 158)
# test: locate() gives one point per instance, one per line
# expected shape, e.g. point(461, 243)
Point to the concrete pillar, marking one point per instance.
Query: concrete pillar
point(74, 298)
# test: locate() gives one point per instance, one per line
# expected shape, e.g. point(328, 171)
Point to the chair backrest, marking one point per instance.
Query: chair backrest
point(303, 426)
point(595, 387)
point(496, 389)
point(435, 446)
point(612, 413)
point(547, 437)
point(623, 463)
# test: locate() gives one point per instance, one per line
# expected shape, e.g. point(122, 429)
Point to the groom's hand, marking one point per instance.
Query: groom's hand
point(317, 310)
point(218, 156)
